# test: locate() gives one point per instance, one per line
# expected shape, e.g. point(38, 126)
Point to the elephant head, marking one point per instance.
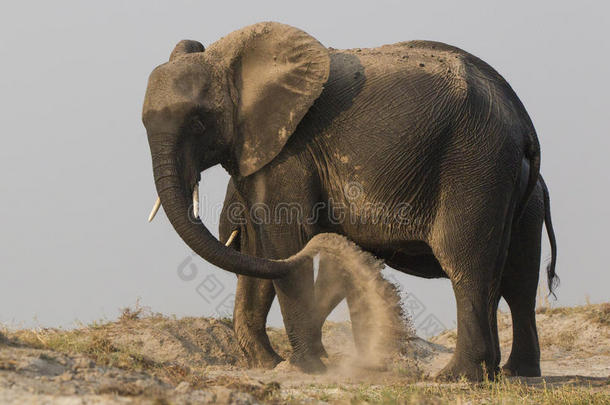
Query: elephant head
point(236, 103)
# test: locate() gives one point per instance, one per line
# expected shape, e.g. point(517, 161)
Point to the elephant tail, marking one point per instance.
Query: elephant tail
point(553, 279)
point(532, 153)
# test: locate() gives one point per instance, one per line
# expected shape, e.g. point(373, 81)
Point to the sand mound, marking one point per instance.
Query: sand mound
point(193, 342)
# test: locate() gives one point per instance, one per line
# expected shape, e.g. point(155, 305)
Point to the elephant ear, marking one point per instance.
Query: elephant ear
point(278, 71)
point(186, 46)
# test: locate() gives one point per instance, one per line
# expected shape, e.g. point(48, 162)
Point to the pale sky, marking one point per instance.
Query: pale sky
point(77, 182)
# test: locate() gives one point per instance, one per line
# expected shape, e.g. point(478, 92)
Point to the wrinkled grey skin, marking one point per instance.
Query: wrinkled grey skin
point(429, 132)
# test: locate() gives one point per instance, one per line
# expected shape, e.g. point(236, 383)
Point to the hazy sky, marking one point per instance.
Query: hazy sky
point(77, 182)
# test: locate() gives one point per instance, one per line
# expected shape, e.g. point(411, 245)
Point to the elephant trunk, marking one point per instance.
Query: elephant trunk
point(175, 198)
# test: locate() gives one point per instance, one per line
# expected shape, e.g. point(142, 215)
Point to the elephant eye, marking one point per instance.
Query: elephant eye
point(196, 126)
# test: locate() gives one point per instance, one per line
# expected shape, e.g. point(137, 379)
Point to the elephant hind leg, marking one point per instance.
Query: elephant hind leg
point(471, 244)
point(524, 359)
point(476, 353)
point(519, 287)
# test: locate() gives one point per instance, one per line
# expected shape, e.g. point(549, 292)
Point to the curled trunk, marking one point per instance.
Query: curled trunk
point(176, 200)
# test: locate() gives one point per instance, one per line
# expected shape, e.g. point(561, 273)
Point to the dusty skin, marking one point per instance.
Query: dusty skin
point(149, 358)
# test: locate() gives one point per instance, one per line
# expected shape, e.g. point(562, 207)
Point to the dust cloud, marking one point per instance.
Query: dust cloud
point(381, 330)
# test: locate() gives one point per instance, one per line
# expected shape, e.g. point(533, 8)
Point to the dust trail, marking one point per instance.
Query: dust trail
point(380, 326)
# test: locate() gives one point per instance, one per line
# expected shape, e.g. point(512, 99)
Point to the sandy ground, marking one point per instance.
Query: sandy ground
point(571, 344)
point(156, 359)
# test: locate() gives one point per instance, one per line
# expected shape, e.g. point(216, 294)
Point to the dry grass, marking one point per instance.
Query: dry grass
point(131, 314)
point(601, 314)
point(501, 392)
point(597, 313)
point(94, 342)
point(567, 339)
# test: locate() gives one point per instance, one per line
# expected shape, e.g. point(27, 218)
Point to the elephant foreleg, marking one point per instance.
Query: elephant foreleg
point(252, 303)
point(296, 297)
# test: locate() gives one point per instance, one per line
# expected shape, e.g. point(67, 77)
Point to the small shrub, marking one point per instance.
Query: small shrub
point(566, 339)
point(601, 314)
point(133, 314)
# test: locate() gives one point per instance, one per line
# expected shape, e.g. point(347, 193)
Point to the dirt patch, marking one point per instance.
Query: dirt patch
point(157, 359)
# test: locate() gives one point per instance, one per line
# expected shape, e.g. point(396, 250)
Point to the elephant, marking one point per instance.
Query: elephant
point(418, 152)
point(518, 287)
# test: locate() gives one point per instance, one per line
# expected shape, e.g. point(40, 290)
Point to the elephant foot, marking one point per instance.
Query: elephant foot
point(257, 349)
point(460, 368)
point(268, 361)
point(264, 360)
point(521, 369)
point(261, 357)
point(310, 364)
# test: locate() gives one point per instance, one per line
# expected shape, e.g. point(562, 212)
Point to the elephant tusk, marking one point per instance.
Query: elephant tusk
point(196, 201)
point(154, 209)
point(231, 238)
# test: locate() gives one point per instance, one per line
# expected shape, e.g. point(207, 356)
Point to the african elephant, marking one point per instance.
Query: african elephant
point(518, 287)
point(415, 151)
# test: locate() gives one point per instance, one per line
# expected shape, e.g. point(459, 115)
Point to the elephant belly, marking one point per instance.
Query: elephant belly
point(410, 257)
point(425, 266)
